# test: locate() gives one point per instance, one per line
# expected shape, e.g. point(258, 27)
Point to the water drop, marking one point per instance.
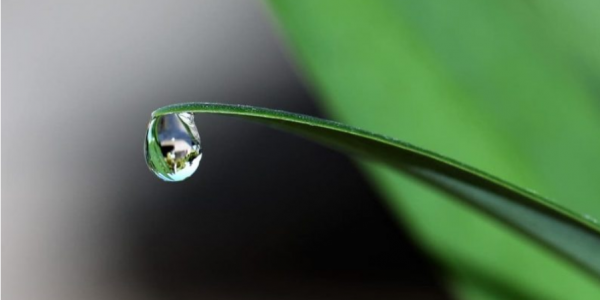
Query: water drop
point(172, 146)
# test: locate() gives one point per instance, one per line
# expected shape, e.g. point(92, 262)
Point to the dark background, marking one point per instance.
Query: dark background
point(267, 216)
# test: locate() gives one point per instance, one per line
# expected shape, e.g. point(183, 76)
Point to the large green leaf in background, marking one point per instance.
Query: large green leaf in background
point(508, 86)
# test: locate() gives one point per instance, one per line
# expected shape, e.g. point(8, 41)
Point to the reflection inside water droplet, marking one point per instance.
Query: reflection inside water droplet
point(172, 146)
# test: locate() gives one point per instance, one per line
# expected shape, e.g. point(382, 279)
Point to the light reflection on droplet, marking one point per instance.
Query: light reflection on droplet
point(172, 146)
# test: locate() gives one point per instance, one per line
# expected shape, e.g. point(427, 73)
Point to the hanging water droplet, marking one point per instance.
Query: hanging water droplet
point(172, 146)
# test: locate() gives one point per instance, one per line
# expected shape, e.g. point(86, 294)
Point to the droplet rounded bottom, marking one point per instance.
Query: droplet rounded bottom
point(172, 146)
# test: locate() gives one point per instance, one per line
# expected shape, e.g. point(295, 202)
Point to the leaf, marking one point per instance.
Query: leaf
point(568, 234)
point(508, 86)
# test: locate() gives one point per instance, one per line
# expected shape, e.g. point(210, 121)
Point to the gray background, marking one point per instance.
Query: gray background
point(267, 216)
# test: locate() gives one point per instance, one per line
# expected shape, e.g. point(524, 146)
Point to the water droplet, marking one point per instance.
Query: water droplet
point(172, 146)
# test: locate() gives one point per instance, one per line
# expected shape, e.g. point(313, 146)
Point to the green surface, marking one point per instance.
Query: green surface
point(508, 86)
point(568, 234)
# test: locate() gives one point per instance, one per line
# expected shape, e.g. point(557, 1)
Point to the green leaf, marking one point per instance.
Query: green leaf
point(569, 234)
point(507, 85)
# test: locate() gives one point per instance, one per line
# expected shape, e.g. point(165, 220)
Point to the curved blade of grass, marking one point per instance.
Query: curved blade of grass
point(507, 86)
point(569, 234)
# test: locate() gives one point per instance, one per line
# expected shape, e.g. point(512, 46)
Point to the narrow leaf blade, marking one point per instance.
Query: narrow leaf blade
point(569, 234)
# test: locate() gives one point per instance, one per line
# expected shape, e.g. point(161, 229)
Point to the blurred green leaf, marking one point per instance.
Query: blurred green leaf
point(509, 86)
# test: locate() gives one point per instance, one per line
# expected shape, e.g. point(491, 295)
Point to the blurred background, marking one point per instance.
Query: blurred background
point(267, 216)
